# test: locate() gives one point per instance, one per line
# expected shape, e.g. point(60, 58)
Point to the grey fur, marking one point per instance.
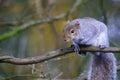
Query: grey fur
point(93, 32)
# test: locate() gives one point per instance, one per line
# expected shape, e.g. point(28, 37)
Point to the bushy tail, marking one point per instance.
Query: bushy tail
point(103, 67)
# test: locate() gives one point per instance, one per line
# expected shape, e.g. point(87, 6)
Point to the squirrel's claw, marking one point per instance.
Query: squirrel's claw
point(77, 50)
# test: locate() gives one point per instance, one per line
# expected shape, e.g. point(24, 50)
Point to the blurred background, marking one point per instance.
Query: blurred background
point(34, 27)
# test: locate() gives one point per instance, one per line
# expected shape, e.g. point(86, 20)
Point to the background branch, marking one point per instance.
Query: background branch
point(27, 25)
point(31, 23)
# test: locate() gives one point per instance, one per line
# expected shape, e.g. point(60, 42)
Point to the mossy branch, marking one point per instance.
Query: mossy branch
point(10, 34)
point(31, 23)
point(27, 25)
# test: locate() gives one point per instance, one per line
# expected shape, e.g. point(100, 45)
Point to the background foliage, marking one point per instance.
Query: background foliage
point(19, 41)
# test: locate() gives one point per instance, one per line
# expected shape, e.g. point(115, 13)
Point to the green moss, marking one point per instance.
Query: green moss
point(10, 34)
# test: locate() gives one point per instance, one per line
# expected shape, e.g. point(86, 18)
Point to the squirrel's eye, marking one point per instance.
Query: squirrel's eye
point(72, 31)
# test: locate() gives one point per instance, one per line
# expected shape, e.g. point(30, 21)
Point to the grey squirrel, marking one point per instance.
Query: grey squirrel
point(91, 32)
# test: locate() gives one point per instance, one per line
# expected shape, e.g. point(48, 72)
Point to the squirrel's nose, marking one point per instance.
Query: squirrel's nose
point(64, 38)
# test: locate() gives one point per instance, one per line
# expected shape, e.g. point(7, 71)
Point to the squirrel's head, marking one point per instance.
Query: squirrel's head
point(71, 31)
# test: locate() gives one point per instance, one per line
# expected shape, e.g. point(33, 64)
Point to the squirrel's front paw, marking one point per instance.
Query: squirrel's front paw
point(77, 49)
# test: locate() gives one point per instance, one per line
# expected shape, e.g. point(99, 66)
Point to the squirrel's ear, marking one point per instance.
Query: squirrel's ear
point(68, 21)
point(77, 24)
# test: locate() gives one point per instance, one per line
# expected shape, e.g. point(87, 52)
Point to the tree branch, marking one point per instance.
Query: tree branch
point(51, 55)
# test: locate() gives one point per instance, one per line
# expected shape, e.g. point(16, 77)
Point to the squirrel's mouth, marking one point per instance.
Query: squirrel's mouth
point(67, 40)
